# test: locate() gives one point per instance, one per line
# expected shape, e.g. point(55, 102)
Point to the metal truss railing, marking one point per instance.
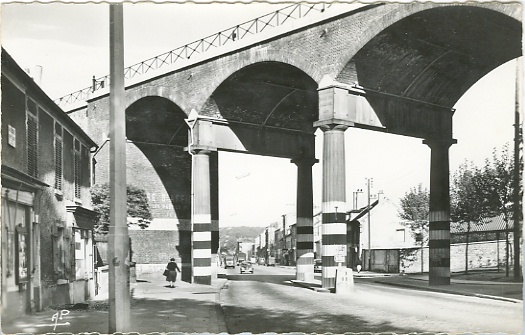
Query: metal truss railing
point(224, 37)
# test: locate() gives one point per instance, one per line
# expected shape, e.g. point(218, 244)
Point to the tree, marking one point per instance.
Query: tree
point(500, 175)
point(138, 206)
point(480, 193)
point(470, 199)
point(414, 212)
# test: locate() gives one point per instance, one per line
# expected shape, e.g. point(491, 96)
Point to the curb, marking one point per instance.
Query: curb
point(219, 308)
point(422, 288)
point(309, 286)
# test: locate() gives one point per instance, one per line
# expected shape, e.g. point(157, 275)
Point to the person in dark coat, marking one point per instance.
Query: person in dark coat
point(172, 268)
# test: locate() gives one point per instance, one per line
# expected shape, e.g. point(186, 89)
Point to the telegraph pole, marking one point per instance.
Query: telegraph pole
point(516, 195)
point(368, 182)
point(118, 240)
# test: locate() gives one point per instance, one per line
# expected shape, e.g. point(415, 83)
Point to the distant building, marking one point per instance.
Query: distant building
point(388, 235)
point(47, 221)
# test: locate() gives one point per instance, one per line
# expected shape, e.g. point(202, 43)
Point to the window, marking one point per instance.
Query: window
point(32, 138)
point(21, 254)
point(58, 156)
point(77, 169)
point(80, 253)
point(11, 140)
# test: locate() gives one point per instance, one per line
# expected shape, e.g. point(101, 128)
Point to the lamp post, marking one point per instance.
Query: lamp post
point(369, 181)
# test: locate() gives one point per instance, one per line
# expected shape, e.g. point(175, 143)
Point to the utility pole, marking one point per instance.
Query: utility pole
point(369, 181)
point(516, 195)
point(118, 240)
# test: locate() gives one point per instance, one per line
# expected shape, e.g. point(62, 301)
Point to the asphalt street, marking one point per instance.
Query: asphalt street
point(267, 301)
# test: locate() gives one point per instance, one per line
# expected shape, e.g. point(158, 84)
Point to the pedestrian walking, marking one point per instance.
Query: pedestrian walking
point(171, 272)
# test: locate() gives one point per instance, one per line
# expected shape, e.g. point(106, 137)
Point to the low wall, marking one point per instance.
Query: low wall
point(486, 254)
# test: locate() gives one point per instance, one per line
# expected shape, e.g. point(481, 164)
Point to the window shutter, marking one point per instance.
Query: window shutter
point(32, 145)
point(77, 169)
point(58, 163)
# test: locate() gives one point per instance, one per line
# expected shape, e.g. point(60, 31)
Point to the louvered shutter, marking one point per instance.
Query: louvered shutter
point(77, 169)
point(58, 163)
point(32, 145)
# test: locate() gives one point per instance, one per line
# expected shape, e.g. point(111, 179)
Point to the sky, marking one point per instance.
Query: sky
point(70, 42)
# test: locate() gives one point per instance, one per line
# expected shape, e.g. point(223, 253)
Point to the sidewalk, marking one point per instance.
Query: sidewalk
point(187, 308)
point(505, 291)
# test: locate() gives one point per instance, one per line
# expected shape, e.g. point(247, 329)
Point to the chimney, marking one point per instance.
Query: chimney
point(36, 73)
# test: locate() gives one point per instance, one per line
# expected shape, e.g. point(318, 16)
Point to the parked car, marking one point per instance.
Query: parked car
point(262, 261)
point(271, 261)
point(246, 267)
point(229, 262)
point(318, 265)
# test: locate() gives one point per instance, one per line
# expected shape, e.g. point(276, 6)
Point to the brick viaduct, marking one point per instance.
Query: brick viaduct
point(397, 68)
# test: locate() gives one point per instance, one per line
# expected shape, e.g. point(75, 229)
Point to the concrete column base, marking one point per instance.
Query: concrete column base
point(214, 266)
point(305, 276)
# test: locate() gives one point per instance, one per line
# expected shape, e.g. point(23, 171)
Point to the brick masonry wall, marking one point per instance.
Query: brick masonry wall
point(154, 246)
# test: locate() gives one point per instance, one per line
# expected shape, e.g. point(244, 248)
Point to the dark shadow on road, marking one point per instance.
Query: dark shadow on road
point(147, 315)
point(273, 279)
point(261, 320)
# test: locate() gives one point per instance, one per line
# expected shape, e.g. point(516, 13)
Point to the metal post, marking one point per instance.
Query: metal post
point(516, 195)
point(29, 264)
point(368, 180)
point(422, 259)
point(119, 295)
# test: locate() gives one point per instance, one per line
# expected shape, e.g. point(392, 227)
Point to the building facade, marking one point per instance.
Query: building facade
point(47, 221)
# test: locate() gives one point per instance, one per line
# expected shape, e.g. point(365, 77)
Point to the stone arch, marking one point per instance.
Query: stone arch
point(160, 91)
point(421, 64)
point(268, 93)
point(158, 163)
point(225, 69)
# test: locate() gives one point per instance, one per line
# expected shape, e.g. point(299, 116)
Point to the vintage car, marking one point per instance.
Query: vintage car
point(229, 262)
point(318, 264)
point(246, 266)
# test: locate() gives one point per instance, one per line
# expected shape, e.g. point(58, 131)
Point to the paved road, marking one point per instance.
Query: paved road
point(266, 302)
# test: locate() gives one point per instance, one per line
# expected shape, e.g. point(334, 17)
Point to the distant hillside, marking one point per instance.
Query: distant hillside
point(228, 236)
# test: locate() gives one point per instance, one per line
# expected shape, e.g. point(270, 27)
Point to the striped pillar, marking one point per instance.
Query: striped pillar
point(214, 202)
point(334, 202)
point(201, 218)
point(439, 213)
point(305, 228)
